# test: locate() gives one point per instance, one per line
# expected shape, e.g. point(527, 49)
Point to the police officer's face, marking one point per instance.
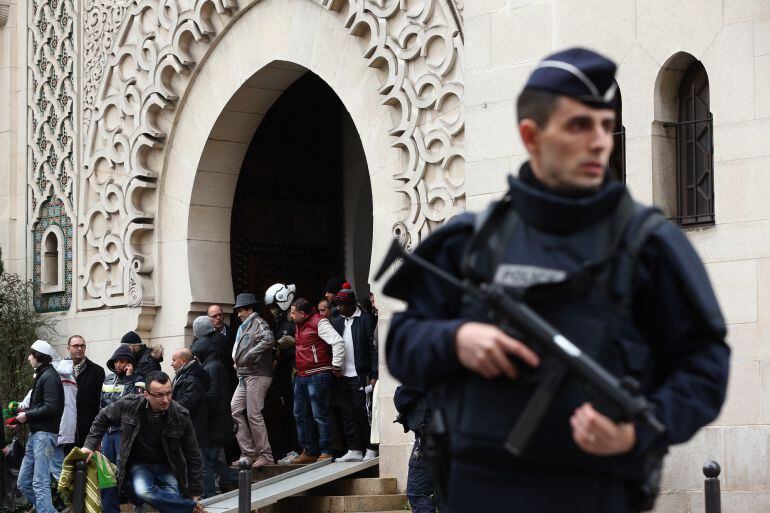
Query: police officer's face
point(571, 152)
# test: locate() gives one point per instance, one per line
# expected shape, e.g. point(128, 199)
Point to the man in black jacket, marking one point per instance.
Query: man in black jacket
point(46, 406)
point(359, 369)
point(147, 358)
point(90, 378)
point(223, 340)
point(620, 283)
point(189, 389)
point(160, 462)
point(218, 395)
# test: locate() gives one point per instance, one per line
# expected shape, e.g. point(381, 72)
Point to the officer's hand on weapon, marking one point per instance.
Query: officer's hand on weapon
point(598, 435)
point(486, 349)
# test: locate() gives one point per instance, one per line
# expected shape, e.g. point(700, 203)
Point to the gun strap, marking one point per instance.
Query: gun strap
point(645, 221)
point(626, 234)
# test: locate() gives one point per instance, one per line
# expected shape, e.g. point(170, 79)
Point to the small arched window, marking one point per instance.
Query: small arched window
point(618, 156)
point(52, 260)
point(694, 149)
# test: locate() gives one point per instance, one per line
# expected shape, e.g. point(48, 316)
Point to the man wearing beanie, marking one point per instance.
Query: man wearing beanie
point(330, 293)
point(359, 369)
point(147, 358)
point(614, 277)
point(46, 407)
point(119, 383)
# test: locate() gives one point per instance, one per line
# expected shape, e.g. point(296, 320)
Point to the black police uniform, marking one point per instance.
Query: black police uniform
point(670, 338)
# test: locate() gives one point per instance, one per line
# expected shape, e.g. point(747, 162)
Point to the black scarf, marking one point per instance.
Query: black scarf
point(551, 211)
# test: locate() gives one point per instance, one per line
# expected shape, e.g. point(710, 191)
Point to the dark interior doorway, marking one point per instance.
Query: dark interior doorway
point(302, 211)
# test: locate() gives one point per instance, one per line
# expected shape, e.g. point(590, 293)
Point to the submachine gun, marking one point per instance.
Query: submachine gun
point(618, 399)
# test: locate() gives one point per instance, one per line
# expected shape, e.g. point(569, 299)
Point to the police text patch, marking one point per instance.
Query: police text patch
point(523, 276)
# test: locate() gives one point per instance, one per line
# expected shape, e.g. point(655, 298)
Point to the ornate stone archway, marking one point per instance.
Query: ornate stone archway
point(161, 46)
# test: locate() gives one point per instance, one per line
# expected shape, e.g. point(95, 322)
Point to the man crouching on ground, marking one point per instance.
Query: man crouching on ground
point(159, 451)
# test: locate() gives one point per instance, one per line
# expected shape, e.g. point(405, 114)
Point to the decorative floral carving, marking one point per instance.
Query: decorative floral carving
point(417, 43)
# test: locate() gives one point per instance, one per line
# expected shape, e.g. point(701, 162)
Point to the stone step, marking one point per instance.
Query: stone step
point(359, 486)
point(341, 503)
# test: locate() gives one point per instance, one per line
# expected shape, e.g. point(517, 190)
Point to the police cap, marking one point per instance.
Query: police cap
point(578, 73)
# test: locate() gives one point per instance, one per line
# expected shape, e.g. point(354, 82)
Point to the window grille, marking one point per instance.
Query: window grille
point(694, 150)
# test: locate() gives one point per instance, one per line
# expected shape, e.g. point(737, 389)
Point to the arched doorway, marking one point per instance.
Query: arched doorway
point(302, 211)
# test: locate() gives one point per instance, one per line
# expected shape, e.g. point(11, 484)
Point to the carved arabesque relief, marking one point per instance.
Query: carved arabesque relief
point(51, 128)
point(101, 20)
point(417, 44)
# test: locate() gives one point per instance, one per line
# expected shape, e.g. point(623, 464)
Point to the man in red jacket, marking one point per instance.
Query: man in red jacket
point(319, 353)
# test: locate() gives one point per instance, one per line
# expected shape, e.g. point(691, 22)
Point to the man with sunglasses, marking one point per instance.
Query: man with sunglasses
point(160, 458)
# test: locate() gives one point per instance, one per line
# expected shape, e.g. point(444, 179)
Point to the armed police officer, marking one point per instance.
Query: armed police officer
point(618, 280)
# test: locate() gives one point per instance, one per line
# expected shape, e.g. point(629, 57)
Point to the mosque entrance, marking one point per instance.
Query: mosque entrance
point(302, 211)
point(302, 214)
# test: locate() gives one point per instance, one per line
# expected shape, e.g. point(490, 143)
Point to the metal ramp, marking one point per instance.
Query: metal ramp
point(270, 491)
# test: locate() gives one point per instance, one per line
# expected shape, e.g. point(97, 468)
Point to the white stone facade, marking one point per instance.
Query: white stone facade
point(132, 119)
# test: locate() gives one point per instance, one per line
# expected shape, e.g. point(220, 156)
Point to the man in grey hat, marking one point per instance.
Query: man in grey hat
point(253, 357)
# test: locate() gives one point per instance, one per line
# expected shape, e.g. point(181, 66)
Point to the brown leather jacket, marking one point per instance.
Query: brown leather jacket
point(178, 438)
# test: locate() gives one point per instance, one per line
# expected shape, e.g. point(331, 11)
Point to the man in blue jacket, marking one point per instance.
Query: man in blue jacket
point(119, 383)
point(569, 241)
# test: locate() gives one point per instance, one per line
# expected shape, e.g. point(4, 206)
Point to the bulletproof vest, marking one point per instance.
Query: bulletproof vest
point(581, 283)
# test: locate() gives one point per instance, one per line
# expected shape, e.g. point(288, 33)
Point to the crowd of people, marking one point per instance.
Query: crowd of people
point(175, 440)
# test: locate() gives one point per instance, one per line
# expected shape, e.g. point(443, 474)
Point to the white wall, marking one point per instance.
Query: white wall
point(13, 98)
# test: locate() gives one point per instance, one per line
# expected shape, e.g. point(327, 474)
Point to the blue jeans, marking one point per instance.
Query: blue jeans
point(314, 389)
point(111, 450)
point(36, 469)
point(213, 466)
point(156, 485)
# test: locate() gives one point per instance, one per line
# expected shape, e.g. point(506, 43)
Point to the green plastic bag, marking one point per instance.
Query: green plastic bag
point(104, 471)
